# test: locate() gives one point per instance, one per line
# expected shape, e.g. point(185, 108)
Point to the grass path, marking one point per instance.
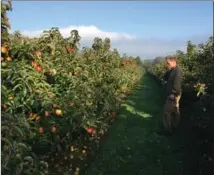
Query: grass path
point(134, 148)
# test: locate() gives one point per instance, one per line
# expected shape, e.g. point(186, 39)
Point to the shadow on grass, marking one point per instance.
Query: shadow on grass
point(134, 148)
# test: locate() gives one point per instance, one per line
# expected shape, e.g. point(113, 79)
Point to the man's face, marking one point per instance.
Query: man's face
point(170, 63)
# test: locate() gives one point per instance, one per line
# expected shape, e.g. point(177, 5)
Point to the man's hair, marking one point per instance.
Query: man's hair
point(171, 58)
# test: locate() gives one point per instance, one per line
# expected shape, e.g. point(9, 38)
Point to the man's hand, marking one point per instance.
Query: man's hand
point(172, 97)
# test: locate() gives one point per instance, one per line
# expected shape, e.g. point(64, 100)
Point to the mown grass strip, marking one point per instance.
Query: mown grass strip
point(133, 147)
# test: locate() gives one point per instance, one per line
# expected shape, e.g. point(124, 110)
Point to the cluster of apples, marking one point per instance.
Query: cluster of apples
point(91, 130)
point(126, 62)
point(70, 50)
point(53, 129)
point(36, 66)
point(5, 57)
point(58, 112)
point(3, 106)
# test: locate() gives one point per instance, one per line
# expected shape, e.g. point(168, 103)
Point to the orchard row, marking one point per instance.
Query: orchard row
point(58, 100)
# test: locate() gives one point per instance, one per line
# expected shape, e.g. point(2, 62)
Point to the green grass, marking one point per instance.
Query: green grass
point(134, 148)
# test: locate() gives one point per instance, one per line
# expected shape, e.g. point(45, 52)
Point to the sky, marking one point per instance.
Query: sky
point(138, 28)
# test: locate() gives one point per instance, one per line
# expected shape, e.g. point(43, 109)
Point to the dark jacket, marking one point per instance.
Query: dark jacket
point(166, 75)
point(173, 86)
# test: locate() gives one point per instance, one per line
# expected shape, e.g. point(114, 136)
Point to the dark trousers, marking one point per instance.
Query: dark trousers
point(171, 114)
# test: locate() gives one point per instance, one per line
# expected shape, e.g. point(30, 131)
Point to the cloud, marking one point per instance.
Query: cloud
point(86, 32)
point(129, 44)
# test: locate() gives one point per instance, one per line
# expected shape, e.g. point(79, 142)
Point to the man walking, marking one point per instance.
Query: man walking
point(171, 113)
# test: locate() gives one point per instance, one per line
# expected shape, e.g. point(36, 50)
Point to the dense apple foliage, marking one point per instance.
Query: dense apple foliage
point(57, 98)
